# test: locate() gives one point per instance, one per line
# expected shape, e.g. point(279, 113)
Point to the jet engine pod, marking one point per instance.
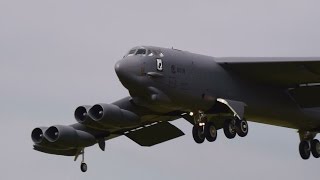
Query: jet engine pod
point(64, 152)
point(37, 135)
point(112, 115)
point(82, 116)
point(69, 137)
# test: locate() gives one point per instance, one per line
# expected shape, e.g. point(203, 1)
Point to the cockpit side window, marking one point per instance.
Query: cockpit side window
point(149, 53)
point(141, 52)
point(158, 53)
point(131, 52)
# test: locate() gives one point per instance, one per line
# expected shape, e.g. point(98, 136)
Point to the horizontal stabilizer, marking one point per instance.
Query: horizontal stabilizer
point(154, 134)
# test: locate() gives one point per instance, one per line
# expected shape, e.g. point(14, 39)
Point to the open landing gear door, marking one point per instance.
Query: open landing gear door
point(236, 107)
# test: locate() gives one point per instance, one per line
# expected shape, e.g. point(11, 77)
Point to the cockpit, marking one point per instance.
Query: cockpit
point(142, 51)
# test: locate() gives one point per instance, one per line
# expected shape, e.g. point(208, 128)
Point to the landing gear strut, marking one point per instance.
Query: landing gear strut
point(83, 165)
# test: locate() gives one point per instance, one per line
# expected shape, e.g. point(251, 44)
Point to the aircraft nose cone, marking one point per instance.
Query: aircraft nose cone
point(117, 67)
point(120, 69)
point(127, 71)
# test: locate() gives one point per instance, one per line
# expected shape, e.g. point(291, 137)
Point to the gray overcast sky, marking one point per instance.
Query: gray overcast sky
point(57, 55)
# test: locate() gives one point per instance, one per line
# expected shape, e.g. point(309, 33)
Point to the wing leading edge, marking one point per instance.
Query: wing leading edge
point(277, 71)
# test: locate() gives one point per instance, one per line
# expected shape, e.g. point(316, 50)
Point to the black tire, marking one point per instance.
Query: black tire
point(198, 134)
point(304, 150)
point(242, 128)
point(83, 167)
point(315, 148)
point(229, 128)
point(210, 132)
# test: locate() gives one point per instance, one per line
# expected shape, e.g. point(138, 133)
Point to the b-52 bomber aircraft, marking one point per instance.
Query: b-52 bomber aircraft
point(209, 92)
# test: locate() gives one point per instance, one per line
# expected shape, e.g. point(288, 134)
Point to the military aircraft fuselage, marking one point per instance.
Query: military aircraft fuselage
point(180, 80)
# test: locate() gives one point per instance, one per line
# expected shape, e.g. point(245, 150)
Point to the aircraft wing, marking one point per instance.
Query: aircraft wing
point(276, 71)
point(306, 96)
point(146, 135)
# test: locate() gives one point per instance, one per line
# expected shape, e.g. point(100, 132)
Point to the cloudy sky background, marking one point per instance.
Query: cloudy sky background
point(57, 55)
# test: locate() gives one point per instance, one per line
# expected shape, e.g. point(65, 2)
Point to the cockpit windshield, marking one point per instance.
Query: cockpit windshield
point(144, 52)
point(141, 51)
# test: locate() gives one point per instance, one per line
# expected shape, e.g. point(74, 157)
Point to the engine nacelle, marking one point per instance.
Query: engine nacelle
point(69, 137)
point(82, 116)
point(64, 152)
point(112, 115)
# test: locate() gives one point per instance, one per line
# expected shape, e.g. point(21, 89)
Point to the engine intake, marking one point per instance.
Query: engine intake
point(69, 137)
point(81, 114)
point(112, 115)
point(37, 135)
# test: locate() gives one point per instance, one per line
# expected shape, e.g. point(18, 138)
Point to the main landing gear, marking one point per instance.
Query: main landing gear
point(83, 165)
point(231, 127)
point(308, 145)
point(207, 130)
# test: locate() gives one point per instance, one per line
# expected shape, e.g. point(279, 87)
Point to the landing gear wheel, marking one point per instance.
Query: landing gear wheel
point(210, 132)
point(242, 127)
point(83, 167)
point(304, 149)
point(315, 148)
point(198, 134)
point(229, 128)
